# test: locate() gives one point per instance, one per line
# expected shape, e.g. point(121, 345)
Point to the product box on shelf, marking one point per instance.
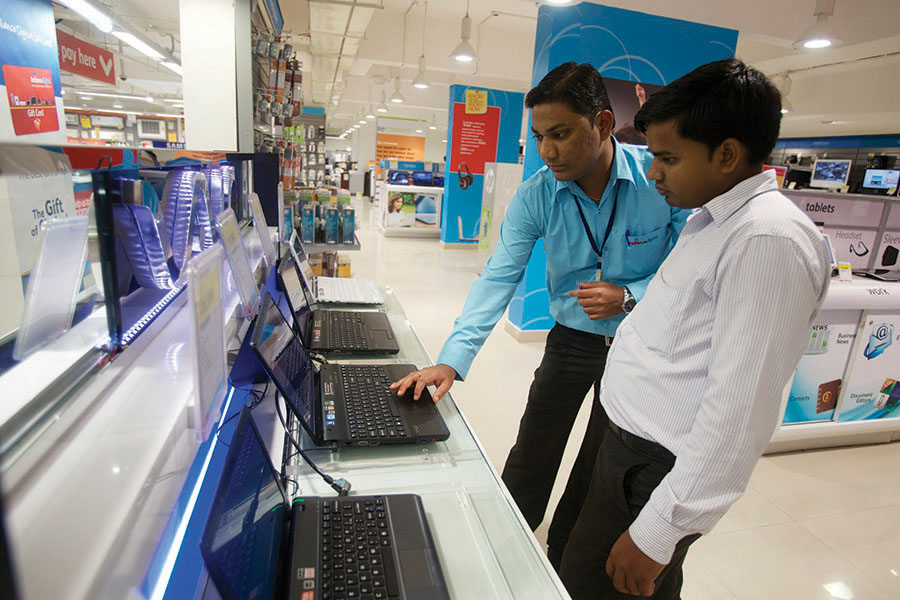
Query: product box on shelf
point(332, 225)
point(308, 224)
point(343, 265)
point(348, 225)
point(315, 263)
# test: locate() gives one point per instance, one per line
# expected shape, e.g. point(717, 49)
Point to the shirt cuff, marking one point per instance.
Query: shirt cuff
point(655, 536)
point(460, 361)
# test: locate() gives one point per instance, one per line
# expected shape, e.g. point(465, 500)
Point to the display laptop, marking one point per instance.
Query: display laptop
point(334, 331)
point(344, 290)
point(342, 405)
point(258, 545)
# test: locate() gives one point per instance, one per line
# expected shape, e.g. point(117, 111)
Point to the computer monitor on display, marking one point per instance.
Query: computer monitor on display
point(830, 174)
point(880, 181)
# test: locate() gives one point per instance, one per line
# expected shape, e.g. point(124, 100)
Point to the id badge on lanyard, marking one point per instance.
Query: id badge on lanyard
point(587, 230)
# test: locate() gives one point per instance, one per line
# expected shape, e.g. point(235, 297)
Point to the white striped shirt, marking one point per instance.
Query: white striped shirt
point(700, 364)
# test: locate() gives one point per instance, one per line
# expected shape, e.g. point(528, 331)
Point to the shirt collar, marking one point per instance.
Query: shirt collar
point(723, 206)
point(620, 169)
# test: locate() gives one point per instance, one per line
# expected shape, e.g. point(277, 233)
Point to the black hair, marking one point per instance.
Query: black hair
point(579, 86)
point(719, 100)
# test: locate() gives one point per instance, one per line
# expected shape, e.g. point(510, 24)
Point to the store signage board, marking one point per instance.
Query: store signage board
point(854, 246)
point(893, 221)
point(31, 108)
point(226, 227)
point(830, 208)
point(872, 391)
point(208, 337)
point(81, 58)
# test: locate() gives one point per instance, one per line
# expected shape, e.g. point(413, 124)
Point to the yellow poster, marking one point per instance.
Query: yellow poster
point(85, 121)
point(173, 137)
point(476, 102)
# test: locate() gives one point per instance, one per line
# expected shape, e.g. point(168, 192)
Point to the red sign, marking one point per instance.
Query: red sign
point(474, 138)
point(82, 58)
point(31, 100)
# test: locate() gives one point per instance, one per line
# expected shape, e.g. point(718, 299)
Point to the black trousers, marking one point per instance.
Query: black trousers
point(573, 361)
point(626, 472)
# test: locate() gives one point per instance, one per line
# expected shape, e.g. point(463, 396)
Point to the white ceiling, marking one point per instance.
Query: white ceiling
point(352, 53)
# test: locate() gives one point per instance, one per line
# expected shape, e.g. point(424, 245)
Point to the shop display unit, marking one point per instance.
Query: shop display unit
point(409, 199)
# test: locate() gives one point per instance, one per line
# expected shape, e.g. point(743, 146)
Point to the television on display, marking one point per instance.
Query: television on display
point(882, 180)
point(831, 174)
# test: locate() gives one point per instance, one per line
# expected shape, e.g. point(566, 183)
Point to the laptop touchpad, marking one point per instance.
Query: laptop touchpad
point(418, 569)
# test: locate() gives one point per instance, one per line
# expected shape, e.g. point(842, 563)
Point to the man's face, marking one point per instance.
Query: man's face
point(568, 143)
point(684, 172)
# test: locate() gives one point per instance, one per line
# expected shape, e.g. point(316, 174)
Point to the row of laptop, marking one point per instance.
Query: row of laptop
point(258, 543)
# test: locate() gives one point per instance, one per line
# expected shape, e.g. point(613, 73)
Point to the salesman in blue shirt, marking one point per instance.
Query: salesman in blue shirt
point(606, 230)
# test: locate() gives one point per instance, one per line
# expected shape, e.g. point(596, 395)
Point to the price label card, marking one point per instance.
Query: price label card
point(208, 337)
point(259, 221)
point(226, 227)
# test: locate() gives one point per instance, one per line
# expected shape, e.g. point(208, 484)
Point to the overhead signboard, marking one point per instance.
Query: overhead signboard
point(81, 58)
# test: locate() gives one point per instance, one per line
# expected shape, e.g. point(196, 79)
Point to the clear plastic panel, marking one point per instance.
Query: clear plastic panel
point(53, 285)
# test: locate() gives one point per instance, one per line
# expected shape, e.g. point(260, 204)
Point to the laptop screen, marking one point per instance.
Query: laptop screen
point(296, 295)
point(286, 362)
point(302, 261)
point(242, 539)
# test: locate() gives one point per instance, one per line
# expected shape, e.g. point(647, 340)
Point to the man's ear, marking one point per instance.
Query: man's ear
point(730, 156)
point(604, 121)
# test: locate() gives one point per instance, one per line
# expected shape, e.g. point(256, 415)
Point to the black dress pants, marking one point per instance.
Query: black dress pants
point(573, 361)
point(626, 472)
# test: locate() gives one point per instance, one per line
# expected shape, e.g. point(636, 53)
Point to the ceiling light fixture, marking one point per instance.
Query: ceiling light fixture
point(90, 13)
point(822, 33)
point(557, 2)
point(421, 81)
point(464, 52)
point(370, 114)
point(783, 83)
point(123, 96)
point(173, 66)
point(382, 107)
point(433, 124)
point(397, 97)
point(138, 44)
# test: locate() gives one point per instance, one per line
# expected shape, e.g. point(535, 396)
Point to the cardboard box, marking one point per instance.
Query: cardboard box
point(343, 265)
point(315, 263)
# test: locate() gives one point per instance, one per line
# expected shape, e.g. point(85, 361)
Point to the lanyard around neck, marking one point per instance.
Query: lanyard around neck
point(609, 224)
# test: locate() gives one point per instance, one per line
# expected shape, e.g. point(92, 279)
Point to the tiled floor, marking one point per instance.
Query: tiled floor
point(813, 525)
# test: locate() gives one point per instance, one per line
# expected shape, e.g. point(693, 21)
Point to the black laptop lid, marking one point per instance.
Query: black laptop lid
point(286, 362)
point(243, 538)
point(296, 297)
point(302, 261)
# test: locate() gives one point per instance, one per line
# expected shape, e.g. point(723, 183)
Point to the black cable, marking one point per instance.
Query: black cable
point(341, 486)
point(257, 398)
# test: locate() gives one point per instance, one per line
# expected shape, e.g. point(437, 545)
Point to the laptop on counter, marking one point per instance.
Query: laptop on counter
point(342, 405)
point(343, 290)
point(354, 332)
point(258, 545)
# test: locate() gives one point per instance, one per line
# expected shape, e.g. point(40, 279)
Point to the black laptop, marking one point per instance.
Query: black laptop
point(348, 405)
point(257, 545)
point(334, 331)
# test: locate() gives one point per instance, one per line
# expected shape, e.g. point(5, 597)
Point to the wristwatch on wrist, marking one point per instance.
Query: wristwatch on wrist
point(628, 303)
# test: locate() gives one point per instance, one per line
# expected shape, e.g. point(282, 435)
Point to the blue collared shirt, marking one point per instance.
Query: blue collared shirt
point(645, 228)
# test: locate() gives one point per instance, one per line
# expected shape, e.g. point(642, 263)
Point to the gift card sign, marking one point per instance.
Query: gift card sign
point(32, 104)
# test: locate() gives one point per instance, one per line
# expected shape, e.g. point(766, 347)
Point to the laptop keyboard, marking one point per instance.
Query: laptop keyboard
point(350, 291)
point(366, 395)
point(346, 330)
point(357, 550)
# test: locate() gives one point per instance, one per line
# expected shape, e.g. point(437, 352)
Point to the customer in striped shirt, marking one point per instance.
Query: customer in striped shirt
point(694, 378)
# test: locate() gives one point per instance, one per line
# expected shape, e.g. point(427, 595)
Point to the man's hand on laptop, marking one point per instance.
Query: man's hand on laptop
point(599, 299)
point(440, 376)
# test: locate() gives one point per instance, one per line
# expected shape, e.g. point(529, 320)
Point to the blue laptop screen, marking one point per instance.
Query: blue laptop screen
point(286, 362)
point(241, 542)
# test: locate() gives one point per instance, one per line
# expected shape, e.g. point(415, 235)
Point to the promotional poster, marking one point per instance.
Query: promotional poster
point(817, 382)
point(872, 391)
point(31, 108)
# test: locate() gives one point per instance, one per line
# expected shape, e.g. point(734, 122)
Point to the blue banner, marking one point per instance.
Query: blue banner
point(621, 44)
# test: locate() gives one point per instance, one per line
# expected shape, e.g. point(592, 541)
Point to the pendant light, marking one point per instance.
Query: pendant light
point(822, 33)
point(421, 81)
point(464, 52)
point(397, 97)
point(382, 107)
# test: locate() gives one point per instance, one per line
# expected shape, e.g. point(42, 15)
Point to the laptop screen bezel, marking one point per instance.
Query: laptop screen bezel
point(206, 542)
point(303, 330)
point(314, 429)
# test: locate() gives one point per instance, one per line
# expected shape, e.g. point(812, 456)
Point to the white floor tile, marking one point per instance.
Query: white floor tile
point(783, 561)
point(702, 584)
point(870, 539)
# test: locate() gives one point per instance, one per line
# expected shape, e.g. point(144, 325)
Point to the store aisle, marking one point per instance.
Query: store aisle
point(813, 525)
